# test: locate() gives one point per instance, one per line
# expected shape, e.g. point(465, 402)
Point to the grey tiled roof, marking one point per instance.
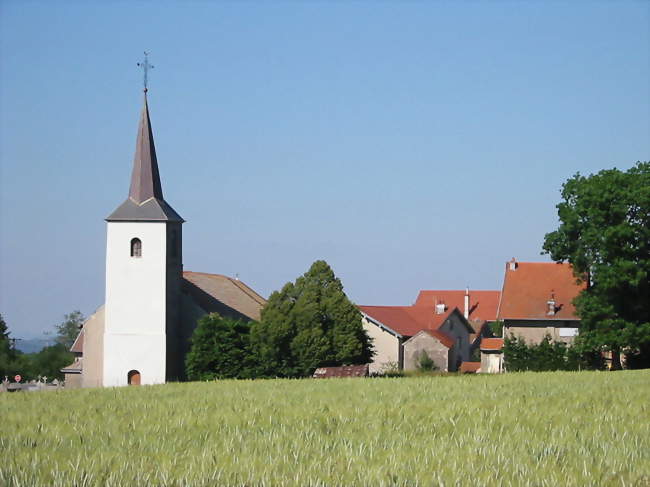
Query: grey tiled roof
point(150, 210)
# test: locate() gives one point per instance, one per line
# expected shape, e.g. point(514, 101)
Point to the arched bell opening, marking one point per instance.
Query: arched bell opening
point(136, 247)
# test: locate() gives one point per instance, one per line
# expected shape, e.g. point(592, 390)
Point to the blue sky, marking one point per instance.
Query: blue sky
point(412, 145)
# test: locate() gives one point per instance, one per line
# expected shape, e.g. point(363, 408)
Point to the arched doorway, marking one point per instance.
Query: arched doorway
point(134, 378)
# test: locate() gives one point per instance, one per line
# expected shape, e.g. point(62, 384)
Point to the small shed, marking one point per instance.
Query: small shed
point(435, 344)
point(492, 355)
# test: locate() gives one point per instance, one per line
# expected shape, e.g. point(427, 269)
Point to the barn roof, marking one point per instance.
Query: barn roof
point(223, 295)
point(469, 367)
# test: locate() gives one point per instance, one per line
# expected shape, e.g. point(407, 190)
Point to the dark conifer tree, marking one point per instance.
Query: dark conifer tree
point(309, 323)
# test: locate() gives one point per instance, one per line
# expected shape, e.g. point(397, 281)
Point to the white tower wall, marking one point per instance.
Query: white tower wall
point(135, 310)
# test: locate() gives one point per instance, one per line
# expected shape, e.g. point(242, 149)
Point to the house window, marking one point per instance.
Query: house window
point(568, 332)
point(136, 247)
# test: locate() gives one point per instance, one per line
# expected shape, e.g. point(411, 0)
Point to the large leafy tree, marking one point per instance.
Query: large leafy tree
point(47, 363)
point(67, 331)
point(604, 233)
point(307, 324)
point(219, 349)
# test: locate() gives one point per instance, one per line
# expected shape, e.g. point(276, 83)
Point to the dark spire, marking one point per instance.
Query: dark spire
point(145, 201)
point(145, 179)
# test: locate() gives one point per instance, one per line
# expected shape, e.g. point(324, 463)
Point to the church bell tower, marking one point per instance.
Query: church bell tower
point(144, 265)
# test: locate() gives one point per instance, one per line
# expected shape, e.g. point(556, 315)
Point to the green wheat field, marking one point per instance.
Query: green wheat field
point(518, 429)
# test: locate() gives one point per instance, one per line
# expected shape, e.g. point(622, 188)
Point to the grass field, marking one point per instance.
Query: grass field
point(541, 429)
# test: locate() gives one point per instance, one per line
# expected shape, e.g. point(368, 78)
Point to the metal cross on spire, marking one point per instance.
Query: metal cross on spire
point(145, 67)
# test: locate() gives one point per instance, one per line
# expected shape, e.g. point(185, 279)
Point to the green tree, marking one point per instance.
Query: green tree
point(604, 233)
point(308, 324)
point(546, 355)
point(7, 353)
point(67, 331)
point(425, 363)
point(496, 327)
point(219, 349)
point(47, 363)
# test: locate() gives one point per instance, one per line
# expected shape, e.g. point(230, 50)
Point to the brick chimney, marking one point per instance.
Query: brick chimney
point(466, 312)
point(440, 307)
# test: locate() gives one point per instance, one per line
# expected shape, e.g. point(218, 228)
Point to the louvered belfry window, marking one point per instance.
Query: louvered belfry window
point(136, 247)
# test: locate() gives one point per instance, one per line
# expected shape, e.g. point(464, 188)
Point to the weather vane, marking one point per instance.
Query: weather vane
point(145, 67)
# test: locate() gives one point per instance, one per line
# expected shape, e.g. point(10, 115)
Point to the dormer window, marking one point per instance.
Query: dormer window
point(136, 247)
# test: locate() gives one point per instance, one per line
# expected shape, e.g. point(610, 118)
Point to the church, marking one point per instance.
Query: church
point(140, 335)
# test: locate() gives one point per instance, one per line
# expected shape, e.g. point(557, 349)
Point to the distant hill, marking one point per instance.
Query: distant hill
point(33, 345)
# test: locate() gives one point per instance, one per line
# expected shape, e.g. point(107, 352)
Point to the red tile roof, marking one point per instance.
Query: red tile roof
point(491, 344)
point(469, 367)
point(406, 320)
point(528, 288)
point(482, 304)
point(343, 371)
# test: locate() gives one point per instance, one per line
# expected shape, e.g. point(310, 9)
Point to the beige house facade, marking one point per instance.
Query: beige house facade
point(386, 343)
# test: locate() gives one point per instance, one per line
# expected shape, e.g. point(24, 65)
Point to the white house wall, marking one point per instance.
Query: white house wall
point(386, 346)
point(534, 331)
point(135, 307)
point(491, 363)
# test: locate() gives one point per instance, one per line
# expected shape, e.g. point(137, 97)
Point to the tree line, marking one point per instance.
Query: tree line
point(49, 361)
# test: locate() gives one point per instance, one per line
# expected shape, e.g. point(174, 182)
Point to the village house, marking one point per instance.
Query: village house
point(478, 307)
point(537, 301)
point(448, 336)
point(141, 334)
